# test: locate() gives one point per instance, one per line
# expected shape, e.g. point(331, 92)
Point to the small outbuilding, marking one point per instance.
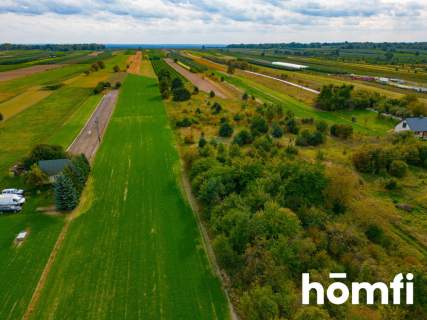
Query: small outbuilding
point(54, 168)
point(417, 125)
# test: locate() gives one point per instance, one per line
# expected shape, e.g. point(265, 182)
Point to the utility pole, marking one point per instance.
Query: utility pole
point(97, 129)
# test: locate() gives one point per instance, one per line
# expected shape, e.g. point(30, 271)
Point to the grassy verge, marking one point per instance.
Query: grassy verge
point(71, 128)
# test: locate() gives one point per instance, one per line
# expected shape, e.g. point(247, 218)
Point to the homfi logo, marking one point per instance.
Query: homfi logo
point(339, 293)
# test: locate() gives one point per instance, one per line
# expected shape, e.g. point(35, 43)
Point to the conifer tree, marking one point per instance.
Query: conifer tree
point(65, 194)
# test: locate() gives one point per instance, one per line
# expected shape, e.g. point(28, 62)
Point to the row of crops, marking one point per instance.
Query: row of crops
point(159, 64)
point(28, 57)
point(193, 66)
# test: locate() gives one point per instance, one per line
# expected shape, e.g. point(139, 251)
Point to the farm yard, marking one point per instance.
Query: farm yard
point(139, 241)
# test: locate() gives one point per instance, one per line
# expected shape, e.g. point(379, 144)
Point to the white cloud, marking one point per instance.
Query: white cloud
point(214, 21)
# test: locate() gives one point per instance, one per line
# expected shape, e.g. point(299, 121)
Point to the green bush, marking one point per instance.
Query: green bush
point(184, 123)
point(398, 168)
point(258, 126)
point(44, 152)
point(321, 126)
point(243, 137)
point(225, 130)
point(342, 131)
point(216, 108)
point(181, 94)
point(308, 138)
point(276, 130)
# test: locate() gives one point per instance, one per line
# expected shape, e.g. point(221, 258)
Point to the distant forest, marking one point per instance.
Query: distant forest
point(52, 47)
point(338, 45)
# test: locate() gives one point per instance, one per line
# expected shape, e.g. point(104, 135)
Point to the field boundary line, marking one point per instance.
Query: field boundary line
point(40, 285)
point(283, 81)
point(195, 207)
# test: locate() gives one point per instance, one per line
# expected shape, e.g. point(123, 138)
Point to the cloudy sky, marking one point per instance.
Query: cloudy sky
point(211, 21)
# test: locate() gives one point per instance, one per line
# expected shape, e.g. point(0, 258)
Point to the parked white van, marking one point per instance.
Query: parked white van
point(10, 208)
point(18, 192)
point(11, 199)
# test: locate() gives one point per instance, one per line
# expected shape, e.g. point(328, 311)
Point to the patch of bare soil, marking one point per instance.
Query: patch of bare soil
point(19, 73)
point(135, 63)
point(95, 53)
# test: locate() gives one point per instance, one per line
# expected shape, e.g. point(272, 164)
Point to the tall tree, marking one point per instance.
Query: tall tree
point(65, 194)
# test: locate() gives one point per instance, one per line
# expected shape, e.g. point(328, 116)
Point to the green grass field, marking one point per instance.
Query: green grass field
point(367, 121)
point(9, 89)
point(37, 124)
point(21, 267)
point(137, 252)
point(65, 135)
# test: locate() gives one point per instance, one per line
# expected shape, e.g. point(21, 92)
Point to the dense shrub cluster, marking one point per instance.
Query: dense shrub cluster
point(101, 86)
point(342, 131)
point(379, 159)
point(333, 98)
point(175, 86)
point(273, 218)
point(310, 138)
point(44, 152)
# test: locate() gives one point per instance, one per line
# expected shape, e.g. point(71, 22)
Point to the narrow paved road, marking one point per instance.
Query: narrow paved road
point(89, 139)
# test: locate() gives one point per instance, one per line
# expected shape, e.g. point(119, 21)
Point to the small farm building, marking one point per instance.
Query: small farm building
point(53, 168)
point(417, 125)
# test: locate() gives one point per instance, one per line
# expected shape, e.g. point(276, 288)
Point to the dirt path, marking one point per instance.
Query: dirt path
point(19, 73)
point(89, 138)
point(206, 240)
point(135, 63)
point(199, 81)
point(36, 294)
point(283, 81)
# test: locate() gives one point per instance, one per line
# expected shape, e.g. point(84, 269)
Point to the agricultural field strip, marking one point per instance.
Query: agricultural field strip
point(299, 108)
point(17, 104)
point(318, 80)
point(287, 82)
point(139, 241)
point(19, 73)
point(197, 80)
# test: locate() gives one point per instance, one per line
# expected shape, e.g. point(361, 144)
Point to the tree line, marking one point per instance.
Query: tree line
point(344, 97)
point(53, 47)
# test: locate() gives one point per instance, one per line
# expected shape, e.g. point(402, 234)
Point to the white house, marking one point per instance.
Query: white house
point(417, 125)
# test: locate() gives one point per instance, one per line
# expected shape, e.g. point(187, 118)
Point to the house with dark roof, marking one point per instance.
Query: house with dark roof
point(54, 168)
point(417, 125)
